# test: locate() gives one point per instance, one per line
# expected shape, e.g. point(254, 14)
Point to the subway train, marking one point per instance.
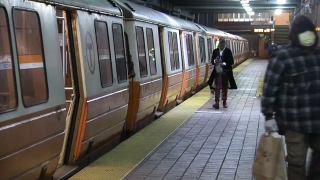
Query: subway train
point(78, 78)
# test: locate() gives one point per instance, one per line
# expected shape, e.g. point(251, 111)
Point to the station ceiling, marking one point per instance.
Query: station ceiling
point(234, 6)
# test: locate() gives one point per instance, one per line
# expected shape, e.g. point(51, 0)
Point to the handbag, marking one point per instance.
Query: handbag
point(219, 69)
point(270, 163)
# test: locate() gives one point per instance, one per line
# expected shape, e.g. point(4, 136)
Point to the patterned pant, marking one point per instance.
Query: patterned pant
point(297, 148)
point(221, 82)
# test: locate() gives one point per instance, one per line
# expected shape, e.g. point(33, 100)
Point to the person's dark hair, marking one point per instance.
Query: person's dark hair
point(222, 40)
point(299, 25)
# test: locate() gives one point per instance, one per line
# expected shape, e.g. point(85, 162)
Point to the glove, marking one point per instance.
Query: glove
point(271, 125)
point(224, 64)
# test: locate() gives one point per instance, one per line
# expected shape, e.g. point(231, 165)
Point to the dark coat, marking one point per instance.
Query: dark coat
point(227, 57)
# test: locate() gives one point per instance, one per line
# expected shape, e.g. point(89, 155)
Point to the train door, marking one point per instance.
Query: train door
point(202, 58)
point(172, 68)
point(190, 67)
point(69, 68)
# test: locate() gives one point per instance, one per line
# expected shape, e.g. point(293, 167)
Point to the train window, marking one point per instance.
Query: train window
point(8, 99)
point(104, 53)
point(141, 52)
point(209, 47)
point(190, 50)
point(30, 55)
point(176, 51)
point(171, 51)
point(151, 52)
point(202, 50)
point(121, 63)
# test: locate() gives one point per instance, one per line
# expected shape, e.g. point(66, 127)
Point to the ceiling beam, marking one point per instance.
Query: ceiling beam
point(195, 11)
point(237, 7)
point(183, 2)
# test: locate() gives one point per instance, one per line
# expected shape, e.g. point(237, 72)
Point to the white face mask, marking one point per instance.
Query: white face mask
point(307, 38)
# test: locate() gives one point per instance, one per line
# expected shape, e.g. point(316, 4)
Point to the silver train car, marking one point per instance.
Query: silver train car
point(78, 78)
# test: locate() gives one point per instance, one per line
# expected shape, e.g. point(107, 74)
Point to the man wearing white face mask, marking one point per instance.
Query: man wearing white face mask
point(291, 98)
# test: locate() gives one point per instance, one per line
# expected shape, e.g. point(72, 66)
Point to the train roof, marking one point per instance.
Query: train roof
point(220, 33)
point(141, 13)
point(241, 38)
point(214, 31)
point(96, 6)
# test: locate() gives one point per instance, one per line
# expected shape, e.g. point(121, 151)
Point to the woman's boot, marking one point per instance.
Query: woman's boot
point(225, 104)
point(216, 105)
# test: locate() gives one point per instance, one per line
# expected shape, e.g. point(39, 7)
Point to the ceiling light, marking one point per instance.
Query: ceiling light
point(281, 1)
point(248, 9)
point(251, 13)
point(278, 12)
point(244, 2)
point(245, 5)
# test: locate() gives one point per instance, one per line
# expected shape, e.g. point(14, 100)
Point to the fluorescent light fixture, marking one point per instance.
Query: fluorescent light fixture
point(281, 1)
point(246, 2)
point(245, 5)
point(278, 12)
point(248, 9)
point(251, 13)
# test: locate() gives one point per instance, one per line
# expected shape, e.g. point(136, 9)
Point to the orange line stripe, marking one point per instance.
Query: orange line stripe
point(164, 94)
point(81, 131)
point(30, 59)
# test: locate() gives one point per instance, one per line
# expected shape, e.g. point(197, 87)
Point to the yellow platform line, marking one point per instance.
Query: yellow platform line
point(239, 68)
point(260, 86)
point(117, 163)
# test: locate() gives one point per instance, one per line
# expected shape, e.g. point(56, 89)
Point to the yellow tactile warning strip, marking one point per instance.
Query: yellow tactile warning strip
point(239, 68)
point(260, 86)
point(117, 163)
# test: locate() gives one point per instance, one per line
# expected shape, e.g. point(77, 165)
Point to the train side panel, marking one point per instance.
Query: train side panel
point(203, 67)
point(32, 132)
point(146, 88)
point(189, 62)
point(172, 68)
point(105, 101)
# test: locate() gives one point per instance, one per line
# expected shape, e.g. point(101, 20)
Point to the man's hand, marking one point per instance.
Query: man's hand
point(217, 59)
point(271, 125)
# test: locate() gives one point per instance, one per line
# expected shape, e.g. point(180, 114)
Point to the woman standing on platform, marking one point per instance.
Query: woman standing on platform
point(222, 73)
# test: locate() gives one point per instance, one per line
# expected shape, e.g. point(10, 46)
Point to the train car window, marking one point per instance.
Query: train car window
point(141, 52)
point(119, 52)
point(176, 51)
point(202, 49)
point(209, 47)
point(190, 50)
point(171, 51)
point(102, 36)
point(8, 98)
point(30, 55)
point(151, 52)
